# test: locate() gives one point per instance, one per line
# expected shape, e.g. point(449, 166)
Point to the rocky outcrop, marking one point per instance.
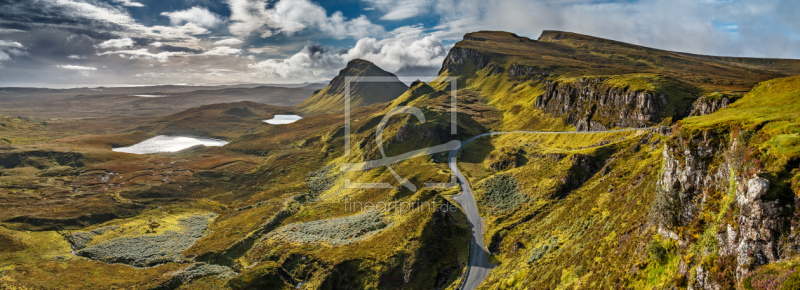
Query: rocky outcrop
point(493, 69)
point(753, 239)
point(706, 105)
point(458, 57)
point(746, 229)
point(591, 105)
point(524, 73)
point(684, 183)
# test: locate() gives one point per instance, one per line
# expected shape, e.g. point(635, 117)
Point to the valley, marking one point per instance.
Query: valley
point(583, 163)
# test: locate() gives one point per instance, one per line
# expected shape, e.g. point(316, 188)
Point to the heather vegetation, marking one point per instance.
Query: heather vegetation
point(146, 250)
point(321, 180)
point(502, 193)
point(335, 231)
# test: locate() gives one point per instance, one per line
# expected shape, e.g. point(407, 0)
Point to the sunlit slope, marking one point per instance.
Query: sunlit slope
point(595, 84)
point(574, 55)
point(363, 91)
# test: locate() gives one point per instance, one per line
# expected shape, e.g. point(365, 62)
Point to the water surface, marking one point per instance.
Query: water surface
point(150, 96)
point(283, 119)
point(161, 143)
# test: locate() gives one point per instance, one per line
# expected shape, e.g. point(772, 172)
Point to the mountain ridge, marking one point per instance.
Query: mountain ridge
point(330, 99)
point(573, 54)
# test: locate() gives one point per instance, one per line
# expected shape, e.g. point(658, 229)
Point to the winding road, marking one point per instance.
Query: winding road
point(479, 267)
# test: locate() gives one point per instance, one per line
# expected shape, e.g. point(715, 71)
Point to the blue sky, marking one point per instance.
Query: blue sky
point(105, 42)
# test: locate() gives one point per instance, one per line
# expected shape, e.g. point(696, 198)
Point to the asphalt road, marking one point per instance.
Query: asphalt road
point(479, 267)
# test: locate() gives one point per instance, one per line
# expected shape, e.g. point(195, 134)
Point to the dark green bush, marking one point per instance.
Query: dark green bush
point(502, 193)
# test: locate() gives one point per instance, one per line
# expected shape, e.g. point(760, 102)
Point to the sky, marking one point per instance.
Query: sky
point(74, 43)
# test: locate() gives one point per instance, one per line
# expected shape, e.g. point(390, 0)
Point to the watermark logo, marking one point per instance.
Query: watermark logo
point(387, 161)
point(400, 208)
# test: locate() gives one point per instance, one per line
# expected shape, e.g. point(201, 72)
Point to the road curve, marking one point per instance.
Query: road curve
point(479, 267)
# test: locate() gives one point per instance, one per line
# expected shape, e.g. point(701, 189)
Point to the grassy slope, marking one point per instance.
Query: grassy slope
point(581, 238)
point(331, 99)
point(596, 236)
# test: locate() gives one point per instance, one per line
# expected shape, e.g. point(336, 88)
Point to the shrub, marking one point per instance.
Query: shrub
point(540, 252)
point(502, 194)
point(150, 250)
point(80, 239)
point(665, 210)
point(335, 231)
point(200, 270)
point(657, 253)
point(771, 279)
point(321, 180)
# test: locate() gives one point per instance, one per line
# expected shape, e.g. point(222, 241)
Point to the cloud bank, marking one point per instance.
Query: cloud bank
point(283, 41)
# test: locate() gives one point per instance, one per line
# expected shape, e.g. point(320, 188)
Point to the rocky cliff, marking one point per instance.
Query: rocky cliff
point(713, 197)
point(460, 58)
point(706, 105)
point(590, 104)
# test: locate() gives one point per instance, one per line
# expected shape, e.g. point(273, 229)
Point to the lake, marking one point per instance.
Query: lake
point(150, 96)
point(283, 119)
point(162, 143)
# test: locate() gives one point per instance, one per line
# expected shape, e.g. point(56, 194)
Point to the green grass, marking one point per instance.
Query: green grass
point(775, 101)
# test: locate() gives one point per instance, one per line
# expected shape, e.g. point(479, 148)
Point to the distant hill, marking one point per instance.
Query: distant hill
point(224, 121)
point(576, 55)
point(80, 103)
point(331, 98)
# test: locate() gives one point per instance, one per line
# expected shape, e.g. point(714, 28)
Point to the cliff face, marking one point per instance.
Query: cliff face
point(714, 185)
point(591, 105)
point(706, 105)
point(459, 58)
point(603, 99)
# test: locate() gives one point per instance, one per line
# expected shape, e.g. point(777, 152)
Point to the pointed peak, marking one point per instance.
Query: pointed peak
point(419, 87)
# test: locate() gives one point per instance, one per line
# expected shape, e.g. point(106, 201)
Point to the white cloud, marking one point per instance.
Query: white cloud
point(229, 42)
point(312, 63)
point(129, 28)
point(402, 9)
point(8, 30)
point(117, 43)
point(77, 67)
point(264, 49)
point(129, 3)
point(680, 25)
point(85, 71)
point(248, 17)
point(9, 49)
point(197, 15)
point(409, 47)
point(223, 50)
point(290, 16)
point(75, 56)
point(157, 44)
point(143, 53)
